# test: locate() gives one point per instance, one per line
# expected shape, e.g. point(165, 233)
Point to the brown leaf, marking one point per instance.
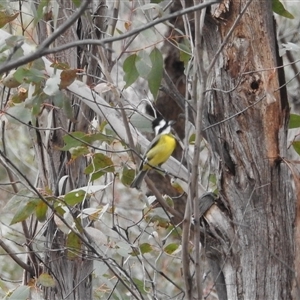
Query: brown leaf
point(127, 25)
point(67, 77)
point(5, 18)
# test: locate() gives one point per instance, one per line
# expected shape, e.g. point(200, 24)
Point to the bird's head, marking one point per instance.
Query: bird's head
point(162, 126)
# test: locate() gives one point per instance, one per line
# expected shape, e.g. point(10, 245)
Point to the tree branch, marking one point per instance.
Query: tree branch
point(43, 50)
point(20, 262)
point(161, 200)
point(7, 66)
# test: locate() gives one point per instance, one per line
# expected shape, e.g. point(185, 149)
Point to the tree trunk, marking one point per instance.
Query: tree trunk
point(245, 122)
point(72, 276)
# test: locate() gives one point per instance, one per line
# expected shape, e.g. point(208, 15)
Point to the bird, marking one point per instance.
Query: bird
point(159, 150)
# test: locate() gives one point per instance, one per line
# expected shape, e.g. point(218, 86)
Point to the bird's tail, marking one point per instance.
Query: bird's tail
point(137, 182)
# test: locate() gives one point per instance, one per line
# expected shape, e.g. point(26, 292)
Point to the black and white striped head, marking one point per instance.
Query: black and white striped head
point(161, 126)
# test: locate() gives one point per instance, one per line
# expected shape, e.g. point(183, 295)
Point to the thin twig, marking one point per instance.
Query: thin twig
point(235, 115)
point(201, 75)
point(185, 240)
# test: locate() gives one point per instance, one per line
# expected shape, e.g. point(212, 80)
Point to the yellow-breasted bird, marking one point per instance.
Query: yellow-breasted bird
point(159, 150)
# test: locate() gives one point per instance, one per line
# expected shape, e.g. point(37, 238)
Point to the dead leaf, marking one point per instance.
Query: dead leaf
point(67, 77)
point(5, 18)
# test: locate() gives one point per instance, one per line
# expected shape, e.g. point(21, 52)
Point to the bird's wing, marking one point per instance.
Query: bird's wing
point(144, 157)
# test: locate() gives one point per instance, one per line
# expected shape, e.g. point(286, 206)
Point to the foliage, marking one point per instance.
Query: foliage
point(149, 67)
point(41, 92)
point(279, 9)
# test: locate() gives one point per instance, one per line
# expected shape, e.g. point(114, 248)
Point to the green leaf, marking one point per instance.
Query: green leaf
point(18, 199)
point(130, 70)
point(14, 40)
point(24, 74)
point(38, 64)
point(41, 211)
point(127, 176)
point(143, 64)
point(17, 54)
point(40, 11)
point(21, 292)
point(60, 66)
point(58, 208)
point(58, 99)
point(79, 151)
point(213, 178)
point(169, 200)
point(79, 138)
point(171, 248)
point(24, 211)
point(279, 9)
point(145, 248)
point(35, 103)
point(67, 108)
point(141, 286)
point(160, 221)
point(75, 197)
point(62, 101)
point(77, 3)
point(294, 121)
point(97, 175)
point(141, 123)
point(98, 137)
point(18, 113)
point(296, 146)
point(73, 140)
point(46, 280)
point(192, 139)
point(100, 165)
point(119, 31)
point(156, 74)
point(73, 246)
point(185, 51)
point(11, 42)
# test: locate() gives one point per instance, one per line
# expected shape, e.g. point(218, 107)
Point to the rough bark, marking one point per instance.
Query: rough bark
point(253, 234)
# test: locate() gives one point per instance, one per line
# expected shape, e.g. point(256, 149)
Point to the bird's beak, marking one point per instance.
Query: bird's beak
point(172, 122)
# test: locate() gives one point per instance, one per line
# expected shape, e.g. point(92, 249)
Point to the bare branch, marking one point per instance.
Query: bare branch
point(20, 262)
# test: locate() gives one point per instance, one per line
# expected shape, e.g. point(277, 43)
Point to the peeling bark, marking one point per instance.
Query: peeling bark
point(257, 250)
